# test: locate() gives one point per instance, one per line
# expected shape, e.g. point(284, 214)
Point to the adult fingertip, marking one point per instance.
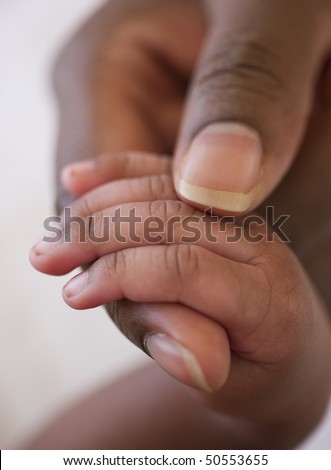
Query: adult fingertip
point(182, 364)
point(177, 360)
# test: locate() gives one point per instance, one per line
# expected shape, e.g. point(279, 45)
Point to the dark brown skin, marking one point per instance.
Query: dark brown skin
point(122, 80)
point(88, 127)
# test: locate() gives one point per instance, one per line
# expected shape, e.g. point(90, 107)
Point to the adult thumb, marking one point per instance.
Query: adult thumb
point(250, 99)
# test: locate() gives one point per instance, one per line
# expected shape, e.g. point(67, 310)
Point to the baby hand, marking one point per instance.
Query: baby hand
point(237, 318)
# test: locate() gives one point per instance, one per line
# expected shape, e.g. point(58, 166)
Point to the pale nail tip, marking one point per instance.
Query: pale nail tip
point(196, 371)
point(165, 350)
point(217, 199)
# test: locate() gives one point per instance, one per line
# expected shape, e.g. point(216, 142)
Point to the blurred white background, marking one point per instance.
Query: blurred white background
point(49, 354)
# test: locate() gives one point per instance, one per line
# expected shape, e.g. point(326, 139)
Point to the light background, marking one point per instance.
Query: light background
point(49, 354)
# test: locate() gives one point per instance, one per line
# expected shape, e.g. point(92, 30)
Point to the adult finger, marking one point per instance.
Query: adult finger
point(253, 92)
point(120, 81)
point(189, 346)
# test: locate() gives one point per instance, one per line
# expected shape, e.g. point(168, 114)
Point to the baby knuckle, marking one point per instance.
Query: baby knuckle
point(115, 264)
point(171, 210)
point(160, 186)
point(182, 261)
point(97, 226)
point(164, 209)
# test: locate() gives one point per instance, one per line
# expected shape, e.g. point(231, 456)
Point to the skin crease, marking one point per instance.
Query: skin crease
point(95, 131)
point(123, 79)
point(122, 66)
point(217, 430)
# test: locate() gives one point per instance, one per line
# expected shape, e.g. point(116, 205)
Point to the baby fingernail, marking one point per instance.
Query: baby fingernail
point(76, 285)
point(77, 169)
point(50, 239)
point(222, 167)
point(177, 360)
point(42, 248)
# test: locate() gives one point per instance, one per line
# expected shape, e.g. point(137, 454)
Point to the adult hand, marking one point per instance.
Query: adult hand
point(255, 70)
